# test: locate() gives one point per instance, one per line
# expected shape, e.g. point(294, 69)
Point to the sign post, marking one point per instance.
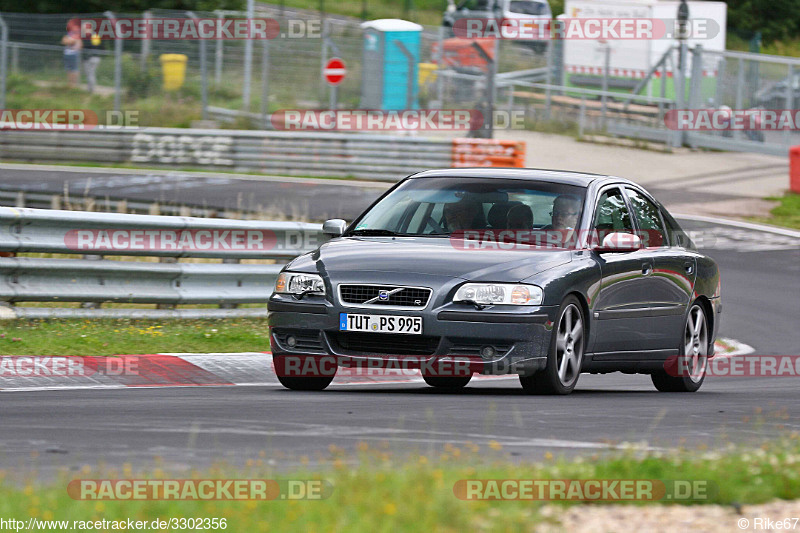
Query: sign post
point(334, 74)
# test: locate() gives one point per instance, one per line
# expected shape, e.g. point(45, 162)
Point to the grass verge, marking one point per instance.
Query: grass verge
point(416, 493)
point(129, 336)
point(786, 214)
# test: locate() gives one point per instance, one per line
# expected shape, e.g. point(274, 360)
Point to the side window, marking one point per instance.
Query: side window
point(649, 217)
point(677, 236)
point(611, 215)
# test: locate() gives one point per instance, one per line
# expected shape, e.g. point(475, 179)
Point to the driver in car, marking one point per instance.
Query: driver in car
point(565, 213)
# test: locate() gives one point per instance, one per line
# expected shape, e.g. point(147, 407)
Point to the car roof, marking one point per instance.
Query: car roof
point(566, 177)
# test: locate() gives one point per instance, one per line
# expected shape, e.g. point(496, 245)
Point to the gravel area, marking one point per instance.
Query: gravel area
point(672, 518)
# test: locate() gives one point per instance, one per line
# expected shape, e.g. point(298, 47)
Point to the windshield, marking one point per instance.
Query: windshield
point(442, 206)
point(528, 8)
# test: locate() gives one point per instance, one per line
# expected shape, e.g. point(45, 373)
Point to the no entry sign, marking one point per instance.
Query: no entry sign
point(334, 72)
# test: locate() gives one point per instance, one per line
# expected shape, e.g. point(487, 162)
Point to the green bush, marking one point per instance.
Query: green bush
point(139, 82)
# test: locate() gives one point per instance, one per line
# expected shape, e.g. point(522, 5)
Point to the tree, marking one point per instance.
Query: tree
point(775, 19)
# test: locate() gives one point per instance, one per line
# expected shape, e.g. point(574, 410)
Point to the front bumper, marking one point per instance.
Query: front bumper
point(519, 336)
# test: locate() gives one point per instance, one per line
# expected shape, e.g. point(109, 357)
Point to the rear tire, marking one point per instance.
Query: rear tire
point(447, 382)
point(565, 357)
point(692, 356)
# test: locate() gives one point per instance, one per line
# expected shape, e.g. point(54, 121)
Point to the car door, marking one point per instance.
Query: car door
point(671, 282)
point(621, 308)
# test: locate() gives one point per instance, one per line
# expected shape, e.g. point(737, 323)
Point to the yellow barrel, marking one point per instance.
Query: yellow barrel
point(427, 73)
point(173, 67)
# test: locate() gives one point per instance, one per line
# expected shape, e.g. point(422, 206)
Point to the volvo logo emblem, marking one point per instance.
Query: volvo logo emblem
point(383, 295)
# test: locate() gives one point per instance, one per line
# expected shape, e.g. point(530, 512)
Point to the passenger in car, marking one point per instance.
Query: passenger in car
point(464, 214)
point(520, 216)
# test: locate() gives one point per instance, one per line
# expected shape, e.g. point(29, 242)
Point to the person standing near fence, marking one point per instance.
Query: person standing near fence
point(92, 46)
point(72, 50)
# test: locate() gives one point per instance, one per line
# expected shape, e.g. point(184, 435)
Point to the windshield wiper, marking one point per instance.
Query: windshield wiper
point(367, 232)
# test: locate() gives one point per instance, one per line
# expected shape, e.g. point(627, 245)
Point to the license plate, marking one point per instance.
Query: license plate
point(411, 325)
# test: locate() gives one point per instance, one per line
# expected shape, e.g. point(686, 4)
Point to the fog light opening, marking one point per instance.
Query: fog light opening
point(291, 342)
point(488, 352)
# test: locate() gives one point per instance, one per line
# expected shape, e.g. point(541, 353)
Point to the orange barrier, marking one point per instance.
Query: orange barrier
point(488, 153)
point(794, 169)
point(460, 53)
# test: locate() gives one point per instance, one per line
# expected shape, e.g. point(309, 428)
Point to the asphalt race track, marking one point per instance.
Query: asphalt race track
point(313, 199)
point(198, 426)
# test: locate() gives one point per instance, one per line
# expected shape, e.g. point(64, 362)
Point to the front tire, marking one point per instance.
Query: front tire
point(304, 383)
point(447, 382)
point(565, 357)
point(693, 356)
point(305, 372)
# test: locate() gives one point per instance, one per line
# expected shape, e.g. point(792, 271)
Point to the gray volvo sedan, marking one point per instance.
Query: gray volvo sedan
point(541, 273)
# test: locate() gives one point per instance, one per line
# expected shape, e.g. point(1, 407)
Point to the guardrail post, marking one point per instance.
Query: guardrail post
point(582, 117)
point(323, 57)
point(248, 61)
point(91, 305)
point(739, 91)
point(697, 79)
point(3, 61)
point(203, 69)
point(20, 199)
point(548, 79)
point(604, 98)
point(439, 59)
point(410, 81)
point(229, 261)
point(787, 133)
point(488, 115)
point(117, 62)
point(265, 85)
point(219, 53)
point(145, 44)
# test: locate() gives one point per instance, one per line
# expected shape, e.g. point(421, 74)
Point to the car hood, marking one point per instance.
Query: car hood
point(434, 256)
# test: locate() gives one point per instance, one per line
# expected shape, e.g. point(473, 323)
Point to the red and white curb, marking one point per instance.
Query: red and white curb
point(36, 373)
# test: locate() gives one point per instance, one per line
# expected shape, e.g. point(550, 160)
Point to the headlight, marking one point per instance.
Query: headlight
point(500, 294)
point(298, 283)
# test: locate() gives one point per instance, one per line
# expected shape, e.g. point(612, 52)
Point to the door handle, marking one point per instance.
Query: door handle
point(689, 267)
point(647, 269)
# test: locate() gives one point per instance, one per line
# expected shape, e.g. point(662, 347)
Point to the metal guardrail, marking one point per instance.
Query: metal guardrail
point(37, 279)
point(376, 157)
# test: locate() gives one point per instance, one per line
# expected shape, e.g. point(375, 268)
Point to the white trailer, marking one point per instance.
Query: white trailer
point(631, 59)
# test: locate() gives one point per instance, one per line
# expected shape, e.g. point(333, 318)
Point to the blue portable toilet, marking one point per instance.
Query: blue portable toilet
point(386, 79)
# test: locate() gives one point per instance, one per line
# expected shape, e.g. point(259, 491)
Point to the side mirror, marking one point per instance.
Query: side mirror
point(619, 242)
point(334, 227)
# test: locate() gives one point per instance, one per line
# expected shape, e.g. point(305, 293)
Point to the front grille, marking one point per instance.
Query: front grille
point(396, 296)
point(386, 343)
point(307, 339)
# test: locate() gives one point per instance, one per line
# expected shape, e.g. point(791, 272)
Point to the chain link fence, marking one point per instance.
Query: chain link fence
point(537, 85)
